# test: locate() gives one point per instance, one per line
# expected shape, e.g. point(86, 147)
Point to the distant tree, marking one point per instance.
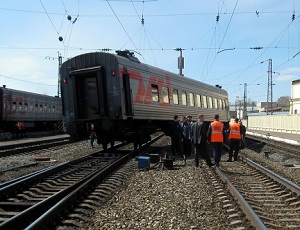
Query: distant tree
point(284, 101)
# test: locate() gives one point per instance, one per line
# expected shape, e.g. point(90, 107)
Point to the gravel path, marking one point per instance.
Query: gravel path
point(183, 198)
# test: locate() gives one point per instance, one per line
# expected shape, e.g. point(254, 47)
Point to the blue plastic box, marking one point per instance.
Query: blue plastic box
point(143, 162)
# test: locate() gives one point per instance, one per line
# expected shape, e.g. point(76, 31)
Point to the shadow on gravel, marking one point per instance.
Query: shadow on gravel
point(256, 146)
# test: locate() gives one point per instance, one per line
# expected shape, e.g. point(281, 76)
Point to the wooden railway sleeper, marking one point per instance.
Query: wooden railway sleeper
point(73, 224)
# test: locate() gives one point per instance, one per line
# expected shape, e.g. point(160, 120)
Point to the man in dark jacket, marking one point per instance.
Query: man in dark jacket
point(199, 140)
point(243, 133)
point(176, 137)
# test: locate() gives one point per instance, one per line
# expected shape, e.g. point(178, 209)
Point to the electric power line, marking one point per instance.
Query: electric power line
point(31, 82)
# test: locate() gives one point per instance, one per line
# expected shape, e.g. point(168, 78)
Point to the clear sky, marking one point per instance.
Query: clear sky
point(224, 42)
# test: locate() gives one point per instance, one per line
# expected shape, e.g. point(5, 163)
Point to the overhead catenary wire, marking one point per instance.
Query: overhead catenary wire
point(31, 82)
point(223, 36)
point(152, 15)
point(145, 32)
point(193, 48)
point(264, 50)
point(121, 24)
point(49, 17)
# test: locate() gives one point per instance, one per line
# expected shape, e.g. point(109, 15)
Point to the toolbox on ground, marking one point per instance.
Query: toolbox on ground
point(143, 162)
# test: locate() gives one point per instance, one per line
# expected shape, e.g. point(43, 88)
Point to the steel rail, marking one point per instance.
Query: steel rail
point(10, 187)
point(27, 147)
point(44, 213)
point(54, 214)
point(7, 183)
point(18, 167)
point(287, 183)
point(250, 214)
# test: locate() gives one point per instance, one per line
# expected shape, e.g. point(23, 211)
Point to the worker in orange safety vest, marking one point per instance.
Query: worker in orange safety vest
point(215, 136)
point(235, 136)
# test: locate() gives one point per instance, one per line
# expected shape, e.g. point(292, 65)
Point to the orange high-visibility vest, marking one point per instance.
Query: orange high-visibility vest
point(216, 131)
point(235, 131)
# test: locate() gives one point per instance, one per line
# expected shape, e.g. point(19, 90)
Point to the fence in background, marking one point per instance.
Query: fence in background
point(274, 123)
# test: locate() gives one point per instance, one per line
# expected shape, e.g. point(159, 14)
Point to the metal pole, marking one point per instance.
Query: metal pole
point(269, 92)
point(180, 64)
point(245, 101)
point(59, 65)
point(180, 61)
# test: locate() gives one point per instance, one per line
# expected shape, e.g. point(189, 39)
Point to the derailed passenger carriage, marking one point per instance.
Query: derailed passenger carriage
point(123, 99)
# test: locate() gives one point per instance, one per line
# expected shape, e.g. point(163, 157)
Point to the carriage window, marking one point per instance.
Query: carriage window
point(165, 92)
point(30, 107)
point(91, 85)
point(184, 98)
point(221, 104)
point(216, 106)
point(205, 102)
point(192, 99)
point(198, 100)
point(14, 106)
point(175, 97)
point(226, 104)
point(210, 102)
point(53, 109)
point(20, 106)
point(26, 107)
point(154, 92)
point(41, 108)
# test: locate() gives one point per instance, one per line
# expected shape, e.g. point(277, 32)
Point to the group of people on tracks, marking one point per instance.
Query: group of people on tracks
point(196, 136)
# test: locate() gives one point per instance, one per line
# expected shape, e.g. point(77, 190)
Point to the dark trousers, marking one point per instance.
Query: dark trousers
point(92, 139)
point(187, 146)
point(201, 150)
point(17, 132)
point(217, 151)
point(234, 145)
point(242, 143)
point(175, 145)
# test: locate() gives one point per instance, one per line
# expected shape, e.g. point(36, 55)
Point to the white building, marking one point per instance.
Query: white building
point(238, 111)
point(295, 98)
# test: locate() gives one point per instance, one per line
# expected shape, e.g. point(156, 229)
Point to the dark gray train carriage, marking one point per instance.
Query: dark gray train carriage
point(123, 99)
point(39, 112)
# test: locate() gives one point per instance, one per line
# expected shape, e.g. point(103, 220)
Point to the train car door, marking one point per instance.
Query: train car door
point(90, 103)
point(90, 95)
point(127, 95)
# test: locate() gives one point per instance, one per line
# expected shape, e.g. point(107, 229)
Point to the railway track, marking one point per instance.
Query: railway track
point(268, 200)
point(40, 200)
point(273, 144)
point(29, 147)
